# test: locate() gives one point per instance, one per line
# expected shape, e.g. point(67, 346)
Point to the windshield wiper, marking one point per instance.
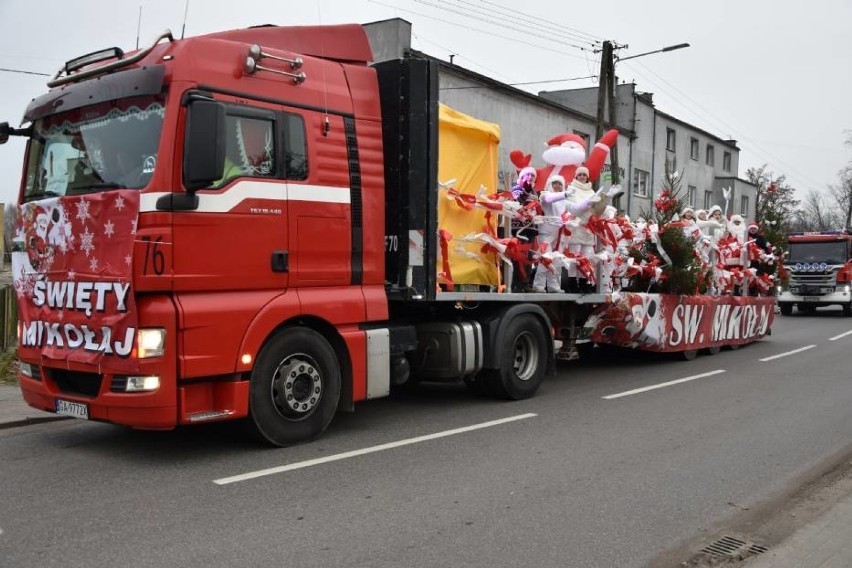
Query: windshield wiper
point(40, 195)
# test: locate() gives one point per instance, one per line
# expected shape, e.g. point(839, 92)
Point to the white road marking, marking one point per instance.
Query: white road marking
point(793, 352)
point(836, 337)
point(370, 450)
point(662, 385)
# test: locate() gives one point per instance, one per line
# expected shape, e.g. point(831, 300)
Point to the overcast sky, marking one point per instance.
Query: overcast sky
point(774, 75)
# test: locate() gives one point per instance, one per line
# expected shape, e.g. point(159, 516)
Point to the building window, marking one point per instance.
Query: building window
point(726, 161)
point(744, 206)
point(708, 199)
point(711, 155)
point(693, 148)
point(671, 163)
point(690, 195)
point(640, 182)
point(586, 138)
point(670, 139)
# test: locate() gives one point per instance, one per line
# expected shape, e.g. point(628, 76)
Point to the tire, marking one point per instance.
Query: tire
point(847, 310)
point(786, 309)
point(285, 412)
point(689, 354)
point(713, 350)
point(807, 308)
point(522, 360)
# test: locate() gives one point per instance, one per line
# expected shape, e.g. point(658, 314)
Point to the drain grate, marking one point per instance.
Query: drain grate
point(730, 546)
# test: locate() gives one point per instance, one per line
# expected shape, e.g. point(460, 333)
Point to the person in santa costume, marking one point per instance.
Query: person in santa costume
point(522, 228)
point(583, 203)
point(547, 278)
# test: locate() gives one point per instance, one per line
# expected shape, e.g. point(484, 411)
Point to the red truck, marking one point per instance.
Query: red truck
point(820, 268)
point(243, 225)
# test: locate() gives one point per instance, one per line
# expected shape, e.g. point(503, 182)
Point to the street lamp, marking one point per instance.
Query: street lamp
point(606, 92)
point(669, 48)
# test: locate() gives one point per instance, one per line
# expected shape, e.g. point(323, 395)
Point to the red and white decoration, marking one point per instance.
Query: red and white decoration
point(665, 322)
point(72, 269)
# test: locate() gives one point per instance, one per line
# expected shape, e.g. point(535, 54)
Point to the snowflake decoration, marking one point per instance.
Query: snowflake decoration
point(109, 229)
point(93, 264)
point(82, 209)
point(134, 222)
point(87, 241)
point(128, 259)
point(72, 275)
point(119, 203)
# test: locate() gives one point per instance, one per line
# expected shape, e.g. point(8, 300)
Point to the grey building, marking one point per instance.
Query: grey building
point(648, 138)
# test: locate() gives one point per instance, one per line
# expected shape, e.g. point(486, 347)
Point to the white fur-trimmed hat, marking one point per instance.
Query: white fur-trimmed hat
point(713, 210)
point(557, 177)
point(581, 170)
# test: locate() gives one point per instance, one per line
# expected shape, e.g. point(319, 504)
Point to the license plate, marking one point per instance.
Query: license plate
point(813, 298)
point(75, 409)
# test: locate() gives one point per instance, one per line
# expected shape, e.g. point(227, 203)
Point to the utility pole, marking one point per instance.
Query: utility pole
point(606, 98)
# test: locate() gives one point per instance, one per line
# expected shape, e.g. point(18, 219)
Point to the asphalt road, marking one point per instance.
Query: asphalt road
point(585, 481)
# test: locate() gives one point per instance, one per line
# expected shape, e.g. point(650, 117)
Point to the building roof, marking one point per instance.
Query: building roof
point(509, 89)
point(729, 143)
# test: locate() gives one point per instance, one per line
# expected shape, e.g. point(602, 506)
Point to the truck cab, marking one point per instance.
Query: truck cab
point(820, 268)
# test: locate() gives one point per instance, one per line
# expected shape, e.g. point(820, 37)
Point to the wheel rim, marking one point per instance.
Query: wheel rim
point(296, 388)
point(525, 361)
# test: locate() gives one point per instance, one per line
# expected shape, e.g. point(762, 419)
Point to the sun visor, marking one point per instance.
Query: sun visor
point(130, 83)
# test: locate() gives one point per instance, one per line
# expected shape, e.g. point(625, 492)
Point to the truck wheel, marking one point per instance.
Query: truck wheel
point(689, 354)
point(713, 350)
point(295, 387)
point(522, 359)
point(847, 310)
point(786, 308)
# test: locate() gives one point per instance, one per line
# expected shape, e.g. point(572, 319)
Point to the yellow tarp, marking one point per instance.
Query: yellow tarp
point(467, 153)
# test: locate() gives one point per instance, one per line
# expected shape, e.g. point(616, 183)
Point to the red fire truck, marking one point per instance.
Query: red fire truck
point(242, 226)
point(820, 267)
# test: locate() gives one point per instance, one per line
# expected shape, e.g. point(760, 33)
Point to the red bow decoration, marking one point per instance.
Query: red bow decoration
point(602, 229)
point(445, 237)
point(463, 200)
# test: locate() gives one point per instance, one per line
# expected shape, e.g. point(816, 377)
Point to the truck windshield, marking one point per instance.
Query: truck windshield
point(830, 253)
point(96, 148)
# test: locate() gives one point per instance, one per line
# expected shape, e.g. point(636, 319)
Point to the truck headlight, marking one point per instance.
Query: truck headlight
point(142, 384)
point(150, 342)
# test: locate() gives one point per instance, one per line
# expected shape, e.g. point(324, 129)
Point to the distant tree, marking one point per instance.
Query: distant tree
point(10, 216)
point(775, 206)
point(841, 192)
point(817, 213)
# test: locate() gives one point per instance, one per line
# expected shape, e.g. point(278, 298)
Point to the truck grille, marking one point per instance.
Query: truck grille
point(75, 382)
point(814, 283)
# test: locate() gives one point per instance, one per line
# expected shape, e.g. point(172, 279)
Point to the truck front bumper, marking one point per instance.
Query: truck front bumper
point(840, 296)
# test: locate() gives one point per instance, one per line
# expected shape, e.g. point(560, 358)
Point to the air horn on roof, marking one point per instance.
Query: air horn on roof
point(256, 53)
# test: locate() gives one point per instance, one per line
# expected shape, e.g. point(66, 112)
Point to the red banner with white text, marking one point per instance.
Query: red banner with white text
point(72, 269)
point(664, 322)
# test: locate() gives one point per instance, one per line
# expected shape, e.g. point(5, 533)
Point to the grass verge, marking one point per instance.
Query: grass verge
point(7, 368)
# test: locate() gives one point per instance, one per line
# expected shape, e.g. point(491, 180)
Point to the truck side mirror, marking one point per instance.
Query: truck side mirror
point(4, 132)
point(204, 144)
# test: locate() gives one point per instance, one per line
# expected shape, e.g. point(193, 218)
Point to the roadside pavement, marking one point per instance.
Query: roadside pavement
point(15, 412)
point(825, 542)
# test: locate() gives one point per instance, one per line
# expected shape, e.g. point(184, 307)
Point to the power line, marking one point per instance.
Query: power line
point(562, 29)
point(538, 23)
point(477, 30)
point(24, 72)
point(492, 22)
point(798, 174)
